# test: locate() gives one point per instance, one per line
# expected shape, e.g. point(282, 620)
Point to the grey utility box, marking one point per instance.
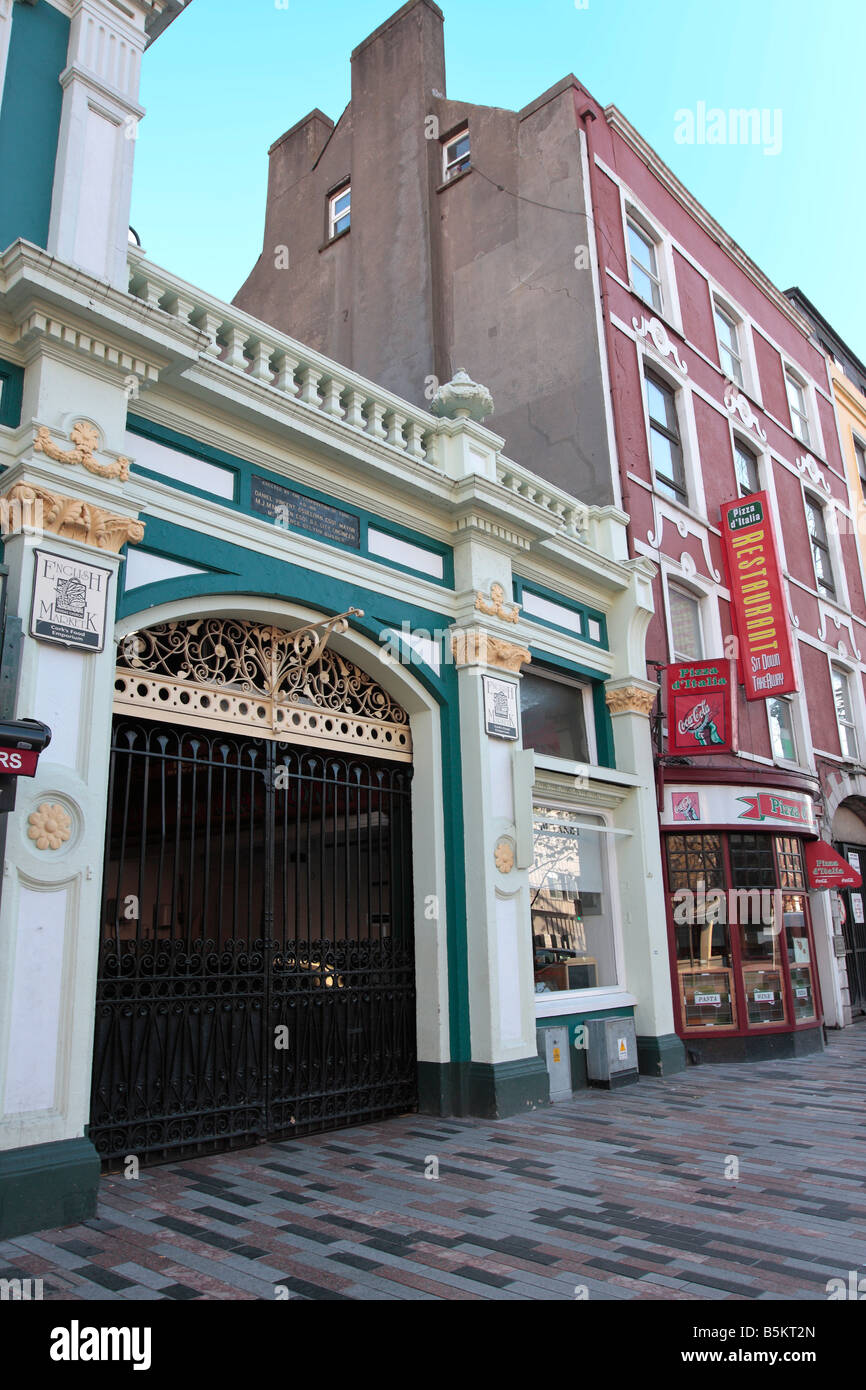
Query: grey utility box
point(611, 1052)
point(553, 1047)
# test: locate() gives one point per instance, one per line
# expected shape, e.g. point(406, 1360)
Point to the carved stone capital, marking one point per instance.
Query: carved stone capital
point(69, 517)
point(630, 699)
point(475, 647)
point(85, 438)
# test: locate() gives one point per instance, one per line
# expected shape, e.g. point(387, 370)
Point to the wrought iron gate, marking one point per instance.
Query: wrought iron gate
point(256, 972)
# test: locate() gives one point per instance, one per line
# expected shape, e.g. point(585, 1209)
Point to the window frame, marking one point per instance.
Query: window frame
point(860, 464)
point(787, 702)
point(600, 821)
point(793, 378)
point(680, 589)
point(585, 689)
point(850, 724)
point(678, 486)
point(633, 222)
point(721, 311)
point(823, 589)
point(452, 169)
point(746, 451)
point(333, 216)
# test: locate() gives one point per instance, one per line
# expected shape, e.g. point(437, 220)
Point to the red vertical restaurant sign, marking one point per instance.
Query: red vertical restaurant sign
point(760, 611)
point(701, 709)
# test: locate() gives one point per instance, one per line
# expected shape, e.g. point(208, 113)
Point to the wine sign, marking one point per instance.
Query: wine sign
point(701, 708)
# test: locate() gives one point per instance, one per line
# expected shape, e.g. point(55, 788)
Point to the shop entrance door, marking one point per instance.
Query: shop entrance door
point(854, 929)
point(256, 967)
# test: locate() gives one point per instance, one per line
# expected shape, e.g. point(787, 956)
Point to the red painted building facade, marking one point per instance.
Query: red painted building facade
point(720, 392)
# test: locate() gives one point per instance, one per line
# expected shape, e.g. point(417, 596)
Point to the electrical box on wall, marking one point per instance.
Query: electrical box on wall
point(553, 1047)
point(611, 1052)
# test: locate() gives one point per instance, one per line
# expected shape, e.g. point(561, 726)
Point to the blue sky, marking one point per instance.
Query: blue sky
point(229, 76)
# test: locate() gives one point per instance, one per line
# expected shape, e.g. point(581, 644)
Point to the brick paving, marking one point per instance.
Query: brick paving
point(623, 1195)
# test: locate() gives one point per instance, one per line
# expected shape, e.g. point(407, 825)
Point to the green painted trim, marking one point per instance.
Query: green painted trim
point(497, 1089)
point(244, 471)
point(11, 393)
point(47, 1185)
point(661, 1056)
point(30, 121)
point(522, 586)
point(604, 744)
point(256, 573)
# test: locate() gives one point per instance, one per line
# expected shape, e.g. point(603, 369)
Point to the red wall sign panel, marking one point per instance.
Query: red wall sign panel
point(760, 611)
point(701, 710)
point(18, 762)
point(827, 869)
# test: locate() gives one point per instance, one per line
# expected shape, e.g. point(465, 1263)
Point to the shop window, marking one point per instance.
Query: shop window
point(799, 957)
point(752, 863)
point(792, 873)
point(554, 717)
point(696, 876)
point(570, 908)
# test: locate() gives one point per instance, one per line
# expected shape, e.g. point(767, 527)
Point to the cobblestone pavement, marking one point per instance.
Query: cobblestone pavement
point(624, 1194)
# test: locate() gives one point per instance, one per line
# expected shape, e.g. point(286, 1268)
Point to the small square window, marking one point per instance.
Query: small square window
point(730, 352)
point(455, 155)
point(844, 713)
point(340, 211)
point(685, 616)
point(643, 265)
point(798, 407)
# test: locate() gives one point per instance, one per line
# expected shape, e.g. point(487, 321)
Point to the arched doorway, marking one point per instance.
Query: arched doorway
point(256, 974)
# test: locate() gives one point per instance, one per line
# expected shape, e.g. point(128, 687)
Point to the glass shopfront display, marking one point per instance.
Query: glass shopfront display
point(741, 931)
point(572, 931)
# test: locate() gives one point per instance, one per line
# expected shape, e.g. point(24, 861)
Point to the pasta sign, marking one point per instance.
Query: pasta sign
point(760, 611)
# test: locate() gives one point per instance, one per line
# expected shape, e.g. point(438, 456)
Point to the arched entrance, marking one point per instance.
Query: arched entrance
point(256, 974)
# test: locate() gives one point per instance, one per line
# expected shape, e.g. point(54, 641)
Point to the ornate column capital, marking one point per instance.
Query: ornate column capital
point(630, 696)
point(27, 506)
point(476, 647)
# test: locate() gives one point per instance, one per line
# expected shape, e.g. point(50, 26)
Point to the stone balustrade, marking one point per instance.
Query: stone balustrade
point(298, 373)
point(294, 371)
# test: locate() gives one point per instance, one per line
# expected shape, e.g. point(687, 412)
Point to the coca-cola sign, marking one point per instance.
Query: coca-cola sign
point(701, 710)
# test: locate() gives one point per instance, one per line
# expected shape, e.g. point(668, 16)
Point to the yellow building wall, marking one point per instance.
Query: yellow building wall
point(851, 411)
